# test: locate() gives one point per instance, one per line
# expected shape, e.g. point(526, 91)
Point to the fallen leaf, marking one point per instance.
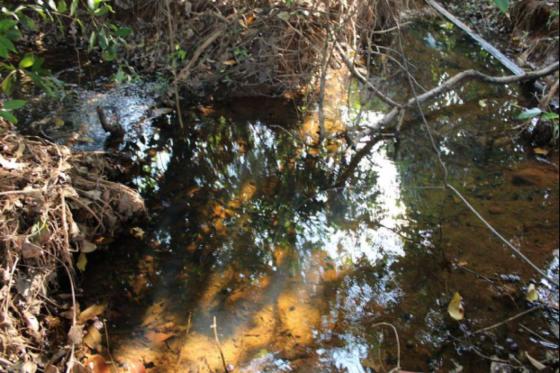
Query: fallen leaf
point(75, 335)
point(136, 367)
point(158, 337)
point(230, 62)
point(532, 294)
point(455, 307)
point(541, 151)
point(88, 247)
point(82, 262)
point(10, 165)
point(93, 338)
point(91, 312)
point(284, 16)
point(31, 321)
point(30, 250)
point(97, 364)
point(482, 103)
point(137, 232)
point(52, 369)
point(534, 362)
point(28, 367)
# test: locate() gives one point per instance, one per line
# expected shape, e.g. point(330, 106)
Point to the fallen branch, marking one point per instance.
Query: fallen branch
point(504, 60)
point(459, 78)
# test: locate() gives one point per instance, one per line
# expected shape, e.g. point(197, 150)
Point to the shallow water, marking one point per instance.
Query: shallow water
point(247, 231)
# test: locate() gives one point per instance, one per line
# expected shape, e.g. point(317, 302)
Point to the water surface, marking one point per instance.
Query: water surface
point(248, 229)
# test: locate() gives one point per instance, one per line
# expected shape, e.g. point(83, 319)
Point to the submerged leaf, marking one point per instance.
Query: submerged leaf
point(91, 312)
point(93, 338)
point(455, 307)
point(82, 262)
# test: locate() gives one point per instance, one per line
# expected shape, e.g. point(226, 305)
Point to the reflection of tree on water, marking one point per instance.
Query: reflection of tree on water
point(297, 270)
point(274, 233)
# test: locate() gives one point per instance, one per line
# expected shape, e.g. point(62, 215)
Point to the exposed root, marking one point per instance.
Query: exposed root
point(253, 48)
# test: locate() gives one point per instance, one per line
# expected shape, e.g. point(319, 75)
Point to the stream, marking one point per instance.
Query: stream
point(247, 233)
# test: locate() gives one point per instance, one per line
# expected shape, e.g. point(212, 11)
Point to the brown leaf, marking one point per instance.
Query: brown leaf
point(75, 335)
point(97, 364)
point(88, 247)
point(93, 338)
point(91, 312)
point(52, 369)
point(28, 367)
point(158, 337)
point(30, 250)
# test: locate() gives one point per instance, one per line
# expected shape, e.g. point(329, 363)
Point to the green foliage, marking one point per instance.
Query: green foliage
point(67, 16)
point(8, 107)
point(503, 5)
point(537, 112)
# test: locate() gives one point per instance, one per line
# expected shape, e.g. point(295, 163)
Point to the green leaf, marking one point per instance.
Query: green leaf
point(62, 7)
point(109, 54)
point(13, 34)
point(102, 10)
point(8, 116)
point(14, 104)
point(529, 113)
point(52, 5)
point(6, 24)
point(27, 61)
point(120, 76)
point(28, 22)
point(73, 7)
point(503, 5)
point(3, 51)
point(103, 40)
point(123, 32)
point(92, 39)
point(7, 43)
point(94, 4)
point(549, 116)
point(8, 83)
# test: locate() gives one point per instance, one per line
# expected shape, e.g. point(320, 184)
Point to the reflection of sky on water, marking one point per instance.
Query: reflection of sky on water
point(348, 357)
point(381, 203)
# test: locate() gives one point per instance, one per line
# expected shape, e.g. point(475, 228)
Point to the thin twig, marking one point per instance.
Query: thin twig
point(214, 327)
point(493, 326)
point(398, 367)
